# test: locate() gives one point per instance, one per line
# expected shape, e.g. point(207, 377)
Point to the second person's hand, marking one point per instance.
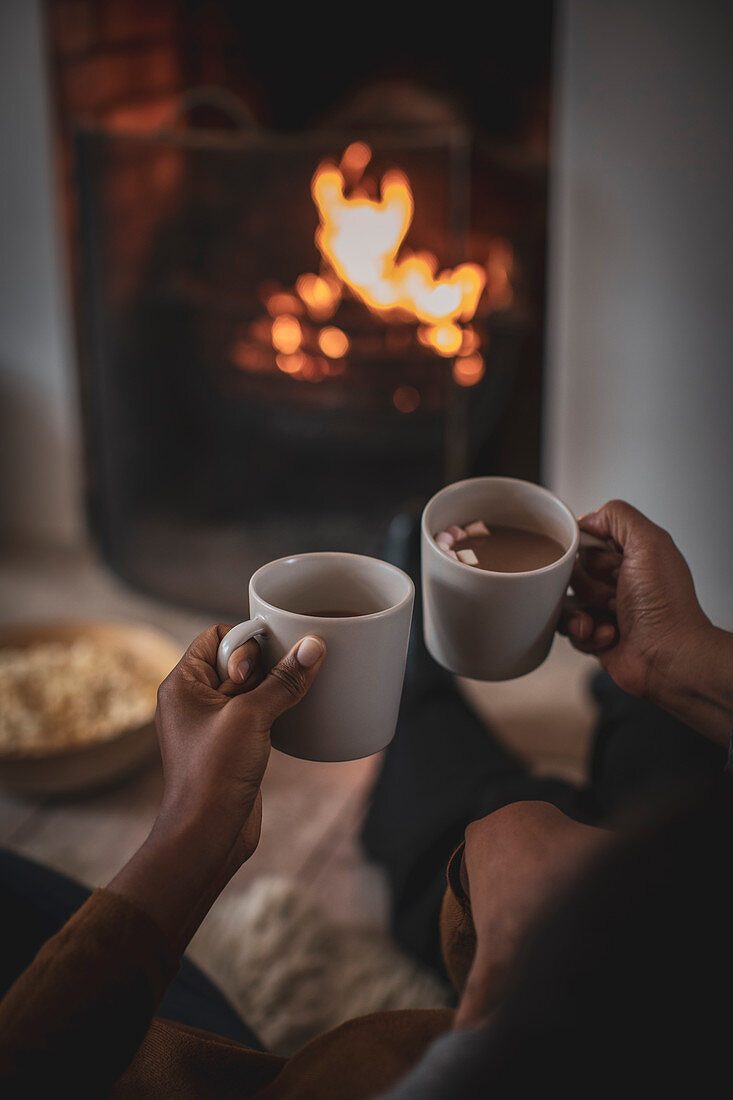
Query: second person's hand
point(643, 621)
point(646, 586)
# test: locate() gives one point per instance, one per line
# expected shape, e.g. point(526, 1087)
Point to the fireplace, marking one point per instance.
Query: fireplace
point(287, 337)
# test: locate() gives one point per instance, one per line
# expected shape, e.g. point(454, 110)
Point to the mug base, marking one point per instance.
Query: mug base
point(488, 676)
point(317, 757)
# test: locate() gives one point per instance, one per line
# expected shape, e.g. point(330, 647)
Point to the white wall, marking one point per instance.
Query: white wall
point(640, 353)
point(39, 465)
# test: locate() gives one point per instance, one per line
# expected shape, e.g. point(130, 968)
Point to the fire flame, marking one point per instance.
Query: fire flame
point(360, 239)
point(363, 225)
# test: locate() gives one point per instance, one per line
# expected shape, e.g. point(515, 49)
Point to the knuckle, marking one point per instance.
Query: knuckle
point(620, 508)
point(290, 677)
point(658, 539)
point(218, 632)
point(206, 639)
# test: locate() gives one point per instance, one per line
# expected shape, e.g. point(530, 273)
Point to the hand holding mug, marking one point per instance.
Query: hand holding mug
point(660, 645)
point(647, 585)
point(215, 743)
point(215, 737)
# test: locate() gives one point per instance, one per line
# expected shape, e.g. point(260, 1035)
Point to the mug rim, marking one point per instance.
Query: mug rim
point(570, 552)
point(394, 569)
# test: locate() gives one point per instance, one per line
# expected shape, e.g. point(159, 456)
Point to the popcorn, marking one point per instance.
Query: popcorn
point(477, 527)
point(444, 540)
point(467, 557)
point(457, 532)
point(58, 695)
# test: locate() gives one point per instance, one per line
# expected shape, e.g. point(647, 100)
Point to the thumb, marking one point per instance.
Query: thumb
point(287, 683)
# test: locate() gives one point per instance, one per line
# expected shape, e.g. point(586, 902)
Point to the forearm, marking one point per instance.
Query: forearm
point(175, 877)
point(695, 684)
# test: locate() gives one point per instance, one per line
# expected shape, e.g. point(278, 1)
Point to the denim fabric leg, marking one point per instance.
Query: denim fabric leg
point(642, 755)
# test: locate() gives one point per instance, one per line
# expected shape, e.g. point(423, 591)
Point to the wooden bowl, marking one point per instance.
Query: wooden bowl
point(82, 768)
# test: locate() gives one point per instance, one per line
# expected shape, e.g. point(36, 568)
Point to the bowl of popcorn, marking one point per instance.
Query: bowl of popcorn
point(77, 703)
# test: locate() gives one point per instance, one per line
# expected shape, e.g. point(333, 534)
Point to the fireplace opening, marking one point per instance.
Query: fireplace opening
point(287, 336)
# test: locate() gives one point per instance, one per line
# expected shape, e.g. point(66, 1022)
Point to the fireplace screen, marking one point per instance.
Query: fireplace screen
point(285, 342)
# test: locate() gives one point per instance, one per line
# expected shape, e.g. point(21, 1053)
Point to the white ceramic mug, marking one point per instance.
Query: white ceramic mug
point(486, 625)
point(351, 709)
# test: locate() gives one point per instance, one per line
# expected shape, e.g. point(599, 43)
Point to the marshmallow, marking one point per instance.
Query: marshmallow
point(467, 557)
point(478, 527)
point(457, 532)
point(452, 554)
point(444, 540)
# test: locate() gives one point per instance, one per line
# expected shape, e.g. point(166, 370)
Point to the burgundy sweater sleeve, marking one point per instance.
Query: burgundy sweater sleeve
point(78, 1013)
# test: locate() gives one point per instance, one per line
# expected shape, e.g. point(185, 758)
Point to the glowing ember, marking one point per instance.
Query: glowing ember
point(468, 371)
point(314, 369)
point(446, 339)
point(321, 295)
point(360, 238)
point(333, 342)
point(470, 341)
point(287, 334)
point(283, 303)
point(290, 364)
point(406, 399)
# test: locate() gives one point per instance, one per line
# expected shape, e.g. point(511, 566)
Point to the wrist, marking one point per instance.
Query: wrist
point(694, 681)
point(204, 823)
point(202, 839)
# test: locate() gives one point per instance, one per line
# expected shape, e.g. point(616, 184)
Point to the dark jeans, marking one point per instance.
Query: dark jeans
point(444, 769)
point(37, 901)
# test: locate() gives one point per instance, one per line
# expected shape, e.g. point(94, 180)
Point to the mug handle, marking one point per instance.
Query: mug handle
point(237, 636)
point(588, 542)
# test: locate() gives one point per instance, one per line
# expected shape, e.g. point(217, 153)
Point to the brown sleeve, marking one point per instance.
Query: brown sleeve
point(78, 1013)
point(457, 934)
point(359, 1059)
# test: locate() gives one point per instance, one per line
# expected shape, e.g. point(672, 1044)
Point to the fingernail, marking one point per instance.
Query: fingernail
point(309, 650)
point(242, 670)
